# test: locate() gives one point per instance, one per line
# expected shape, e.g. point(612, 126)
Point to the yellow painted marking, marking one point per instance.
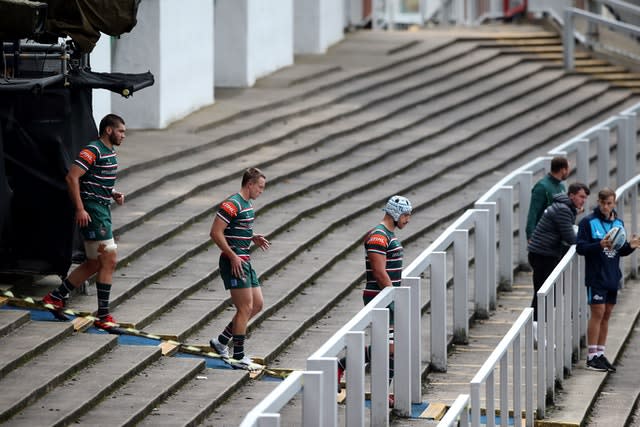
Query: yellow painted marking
point(255, 374)
point(81, 324)
point(435, 411)
point(3, 300)
point(168, 349)
point(543, 423)
point(603, 69)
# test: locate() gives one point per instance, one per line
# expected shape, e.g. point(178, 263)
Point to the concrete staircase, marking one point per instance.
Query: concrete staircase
point(431, 115)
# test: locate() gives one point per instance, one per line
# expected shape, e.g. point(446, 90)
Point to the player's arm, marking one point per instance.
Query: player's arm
point(378, 263)
point(217, 235)
point(73, 186)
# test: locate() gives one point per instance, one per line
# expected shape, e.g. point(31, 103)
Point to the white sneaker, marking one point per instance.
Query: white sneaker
point(220, 348)
point(245, 363)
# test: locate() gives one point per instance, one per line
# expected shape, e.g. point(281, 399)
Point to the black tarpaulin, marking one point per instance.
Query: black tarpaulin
point(84, 20)
point(41, 134)
point(34, 86)
point(124, 84)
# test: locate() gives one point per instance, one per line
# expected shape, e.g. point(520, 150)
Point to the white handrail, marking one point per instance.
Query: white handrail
point(494, 208)
point(499, 357)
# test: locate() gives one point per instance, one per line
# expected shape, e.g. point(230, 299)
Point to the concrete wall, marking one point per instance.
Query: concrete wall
point(252, 39)
point(176, 43)
point(210, 43)
point(101, 63)
point(317, 24)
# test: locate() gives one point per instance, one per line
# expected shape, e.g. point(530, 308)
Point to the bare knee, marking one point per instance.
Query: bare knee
point(107, 260)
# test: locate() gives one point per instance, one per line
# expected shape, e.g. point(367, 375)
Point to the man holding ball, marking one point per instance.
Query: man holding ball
point(602, 273)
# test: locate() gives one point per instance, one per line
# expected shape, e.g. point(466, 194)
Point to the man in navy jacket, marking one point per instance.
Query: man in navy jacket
point(602, 273)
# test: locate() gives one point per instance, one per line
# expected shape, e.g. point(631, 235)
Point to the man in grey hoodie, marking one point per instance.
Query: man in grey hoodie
point(553, 236)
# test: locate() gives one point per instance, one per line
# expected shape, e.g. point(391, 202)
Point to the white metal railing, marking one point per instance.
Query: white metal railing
point(627, 195)
point(434, 258)
point(495, 218)
point(499, 358)
point(386, 14)
point(266, 413)
point(569, 31)
point(562, 322)
point(458, 413)
point(351, 337)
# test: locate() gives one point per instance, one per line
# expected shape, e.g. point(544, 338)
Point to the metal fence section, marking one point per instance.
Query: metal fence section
point(561, 325)
point(458, 413)
point(569, 31)
point(495, 224)
point(499, 358)
point(351, 337)
point(387, 14)
point(455, 239)
point(266, 413)
point(627, 203)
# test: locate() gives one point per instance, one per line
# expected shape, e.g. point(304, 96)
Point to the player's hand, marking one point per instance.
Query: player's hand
point(82, 218)
point(118, 197)
point(261, 241)
point(606, 243)
point(634, 242)
point(236, 267)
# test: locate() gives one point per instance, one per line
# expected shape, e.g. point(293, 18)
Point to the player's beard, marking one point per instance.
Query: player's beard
point(113, 139)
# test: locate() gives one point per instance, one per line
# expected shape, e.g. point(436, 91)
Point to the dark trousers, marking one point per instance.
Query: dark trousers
point(542, 266)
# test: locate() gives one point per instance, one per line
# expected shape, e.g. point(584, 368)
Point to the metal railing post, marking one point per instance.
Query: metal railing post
point(505, 260)
point(461, 286)
point(355, 378)
point(414, 284)
point(524, 200)
point(438, 291)
point(402, 354)
point(582, 161)
point(380, 365)
point(568, 41)
point(312, 399)
point(603, 137)
point(481, 282)
point(492, 282)
point(329, 368)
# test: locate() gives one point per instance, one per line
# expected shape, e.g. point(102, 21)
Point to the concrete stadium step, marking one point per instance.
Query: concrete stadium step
point(434, 120)
point(482, 340)
point(616, 405)
point(188, 239)
point(28, 340)
point(69, 401)
point(274, 324)
point(178, 409)
point(140, 395)
point(244, 141)
point(49, 369)
point(312, 98)
point(12, 319)
point(204, 202)
point(295, 354)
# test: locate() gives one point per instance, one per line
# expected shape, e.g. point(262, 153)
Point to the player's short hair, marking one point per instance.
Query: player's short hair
point(577, 186)
point(559, 163)
point(605, 193)
point(252, 175)
point(110, 120)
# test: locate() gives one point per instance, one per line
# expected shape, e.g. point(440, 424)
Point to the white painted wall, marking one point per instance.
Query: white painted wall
point(252, 39)
point(101, 63)
point(176, 43)
point(211, 42)
point(317, 24)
